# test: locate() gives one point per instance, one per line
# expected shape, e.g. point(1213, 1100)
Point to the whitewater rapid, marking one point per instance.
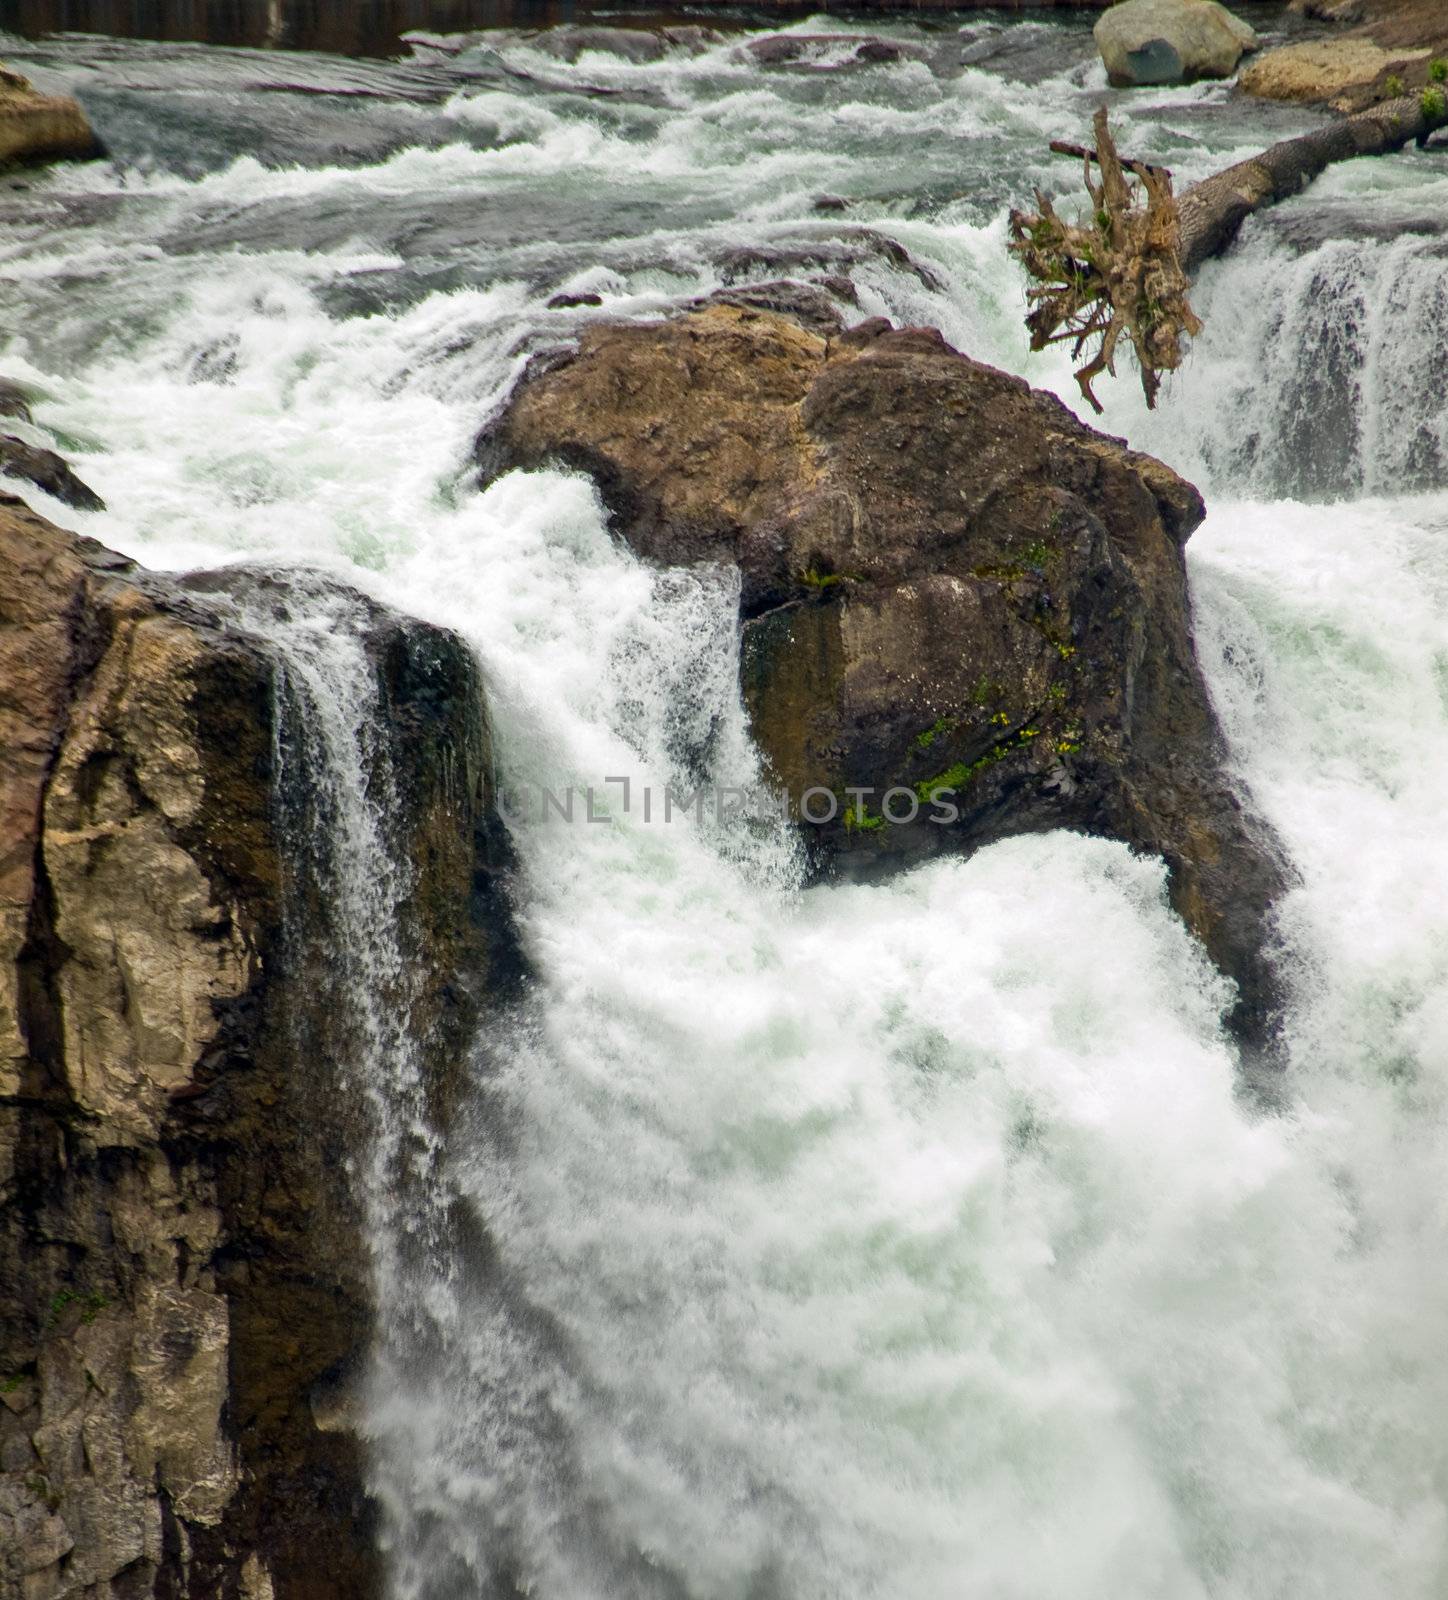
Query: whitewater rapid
point(904, 1240)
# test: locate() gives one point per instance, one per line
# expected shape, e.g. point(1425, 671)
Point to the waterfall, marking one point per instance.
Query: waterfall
point(857, 1241)
point(355, 985)
point(798, 1243)
point(1324, 368)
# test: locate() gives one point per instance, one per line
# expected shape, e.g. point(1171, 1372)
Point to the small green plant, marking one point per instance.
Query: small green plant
point(955, 777)
point(12, 1383)
point(1034, 557)
point(58, 1305)
point(962, 772)
point(927, 736)
point(40, 1486)
point(813, 578)
point(1434, 105)
point(1393, 86)
point(860, 819)
point(91, 1306)
point(1438, 72)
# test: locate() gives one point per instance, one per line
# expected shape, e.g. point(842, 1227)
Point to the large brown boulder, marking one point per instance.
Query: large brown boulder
point(41, 127)
point(184, 1270)
point(951, 589)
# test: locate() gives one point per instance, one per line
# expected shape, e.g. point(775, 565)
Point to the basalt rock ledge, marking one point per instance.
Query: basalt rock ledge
point(955, 596)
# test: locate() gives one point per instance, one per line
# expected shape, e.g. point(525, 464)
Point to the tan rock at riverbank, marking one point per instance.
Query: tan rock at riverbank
point(1390, 49)
point(41, 127)
point(185, 1281)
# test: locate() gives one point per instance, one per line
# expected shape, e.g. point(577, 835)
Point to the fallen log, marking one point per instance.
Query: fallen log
point(1213, 210)
point(1064, 147)
point(1124, 269)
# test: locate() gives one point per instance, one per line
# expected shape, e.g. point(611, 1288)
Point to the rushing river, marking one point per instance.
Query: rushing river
point(904, 1241)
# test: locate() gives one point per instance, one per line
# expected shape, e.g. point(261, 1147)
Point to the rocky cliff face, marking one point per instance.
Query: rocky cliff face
point(183, 1278)
point(965, 613)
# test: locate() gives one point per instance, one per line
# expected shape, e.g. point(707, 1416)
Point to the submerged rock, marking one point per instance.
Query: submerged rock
point(1345, 11)
point(14, 400)
point(184, 1276)
point(1170, 41)
point(830, 51)
point(958, 601)
point(41, 127)
point(571, 40)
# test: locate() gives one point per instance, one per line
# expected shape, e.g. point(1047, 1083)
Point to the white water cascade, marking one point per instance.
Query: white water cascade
point(346, 947)
point(845, 1243)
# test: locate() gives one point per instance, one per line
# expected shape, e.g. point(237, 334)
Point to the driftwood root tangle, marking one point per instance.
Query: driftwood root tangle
point(1126, 268)
point(1117, 272)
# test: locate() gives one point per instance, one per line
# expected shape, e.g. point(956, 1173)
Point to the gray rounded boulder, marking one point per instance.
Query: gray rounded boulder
point(1170, 41)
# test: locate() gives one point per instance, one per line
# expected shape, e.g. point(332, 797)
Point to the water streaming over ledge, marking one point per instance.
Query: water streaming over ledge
point(346, 947)
point(871, 1241)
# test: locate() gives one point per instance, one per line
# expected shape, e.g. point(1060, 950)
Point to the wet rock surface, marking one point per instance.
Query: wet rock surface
point(183, 1273)
point(46, 470)
point(14, 401)
point(955, 596)
point(569, 42)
